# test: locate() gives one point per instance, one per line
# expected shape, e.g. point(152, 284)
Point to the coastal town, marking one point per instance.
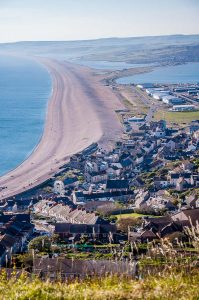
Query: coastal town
point(146, 188)
point(99, 150)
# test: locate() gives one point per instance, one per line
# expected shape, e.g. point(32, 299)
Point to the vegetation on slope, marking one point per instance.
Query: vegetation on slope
point(166, 286)
point(167, 272)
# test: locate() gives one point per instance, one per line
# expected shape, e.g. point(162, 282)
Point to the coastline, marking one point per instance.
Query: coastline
point(162, 73)
point(25, 90)
point(81, 111)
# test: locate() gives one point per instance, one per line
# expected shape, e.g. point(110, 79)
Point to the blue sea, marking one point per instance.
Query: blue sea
point(108, 65)
point(186, 73)
point(25, 87)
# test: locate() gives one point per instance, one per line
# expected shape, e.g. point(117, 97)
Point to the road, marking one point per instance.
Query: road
point(151, 103)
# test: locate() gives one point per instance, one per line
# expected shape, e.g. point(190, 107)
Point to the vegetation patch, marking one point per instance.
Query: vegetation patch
point(177, 117)
point(169, 285)
point(132, 215)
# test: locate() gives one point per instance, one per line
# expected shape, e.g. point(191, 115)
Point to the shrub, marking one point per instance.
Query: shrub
point(40, 243)
point(124, 223)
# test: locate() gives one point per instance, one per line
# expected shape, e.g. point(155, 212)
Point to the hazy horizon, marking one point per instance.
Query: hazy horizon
point(69, 20)
point(100, 38)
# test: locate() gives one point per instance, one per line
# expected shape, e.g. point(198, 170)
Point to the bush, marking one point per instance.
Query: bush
point(24, 261)
point(41, 243)
point(176, 236)
point(124, 223)
point(150, 211)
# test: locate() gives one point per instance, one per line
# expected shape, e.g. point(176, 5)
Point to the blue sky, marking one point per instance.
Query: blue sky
point(22, 20)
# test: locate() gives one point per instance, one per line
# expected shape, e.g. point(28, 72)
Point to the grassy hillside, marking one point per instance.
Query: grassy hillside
point(168, 271)
point(166, 286)
point(163, 49)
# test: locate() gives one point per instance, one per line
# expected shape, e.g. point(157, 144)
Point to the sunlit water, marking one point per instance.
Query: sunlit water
point(186, 73)
point(25, 87)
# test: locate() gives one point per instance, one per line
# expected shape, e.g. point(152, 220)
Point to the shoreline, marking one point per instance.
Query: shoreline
point(36, 87)
point(80, 111)
point(143, 71)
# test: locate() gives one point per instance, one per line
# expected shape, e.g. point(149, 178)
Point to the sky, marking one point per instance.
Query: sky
point(37, 20)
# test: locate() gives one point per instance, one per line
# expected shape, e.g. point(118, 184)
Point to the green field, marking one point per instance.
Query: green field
point(132, 215)
point(177, 117)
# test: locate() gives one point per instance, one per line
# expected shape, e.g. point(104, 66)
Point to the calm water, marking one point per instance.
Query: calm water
point(25, 87)
point(187, 73)
point(108, 65)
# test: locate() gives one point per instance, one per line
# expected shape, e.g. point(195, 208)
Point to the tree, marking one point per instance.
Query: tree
point(55, 238)
point(124, 223)
point(23, 261)
point(41, 243)
point(176, 236)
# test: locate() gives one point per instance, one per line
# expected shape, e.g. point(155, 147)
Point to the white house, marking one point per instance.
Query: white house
point(59, 187)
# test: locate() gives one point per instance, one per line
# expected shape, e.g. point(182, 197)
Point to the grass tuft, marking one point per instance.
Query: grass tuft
point(166, 285)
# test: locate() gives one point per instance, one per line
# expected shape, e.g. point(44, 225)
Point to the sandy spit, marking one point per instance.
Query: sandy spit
point(81, 111)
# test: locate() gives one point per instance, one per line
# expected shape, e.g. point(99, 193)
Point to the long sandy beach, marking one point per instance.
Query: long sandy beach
point(81, 111)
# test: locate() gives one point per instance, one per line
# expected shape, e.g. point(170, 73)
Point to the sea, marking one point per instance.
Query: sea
point(25, 87)
point(108, 65)
point(185, 73)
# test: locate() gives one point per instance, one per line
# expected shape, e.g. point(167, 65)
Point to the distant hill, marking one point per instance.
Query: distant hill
point(163, 49)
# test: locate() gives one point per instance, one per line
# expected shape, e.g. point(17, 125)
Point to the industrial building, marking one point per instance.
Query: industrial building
point(151, 91)
point(183, 108)
point(160, 95)
point(136, 119)
point(171, 100)
point(145, 86)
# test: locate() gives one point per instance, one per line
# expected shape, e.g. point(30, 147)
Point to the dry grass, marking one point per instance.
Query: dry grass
point(162, 286)
point(167, 272)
